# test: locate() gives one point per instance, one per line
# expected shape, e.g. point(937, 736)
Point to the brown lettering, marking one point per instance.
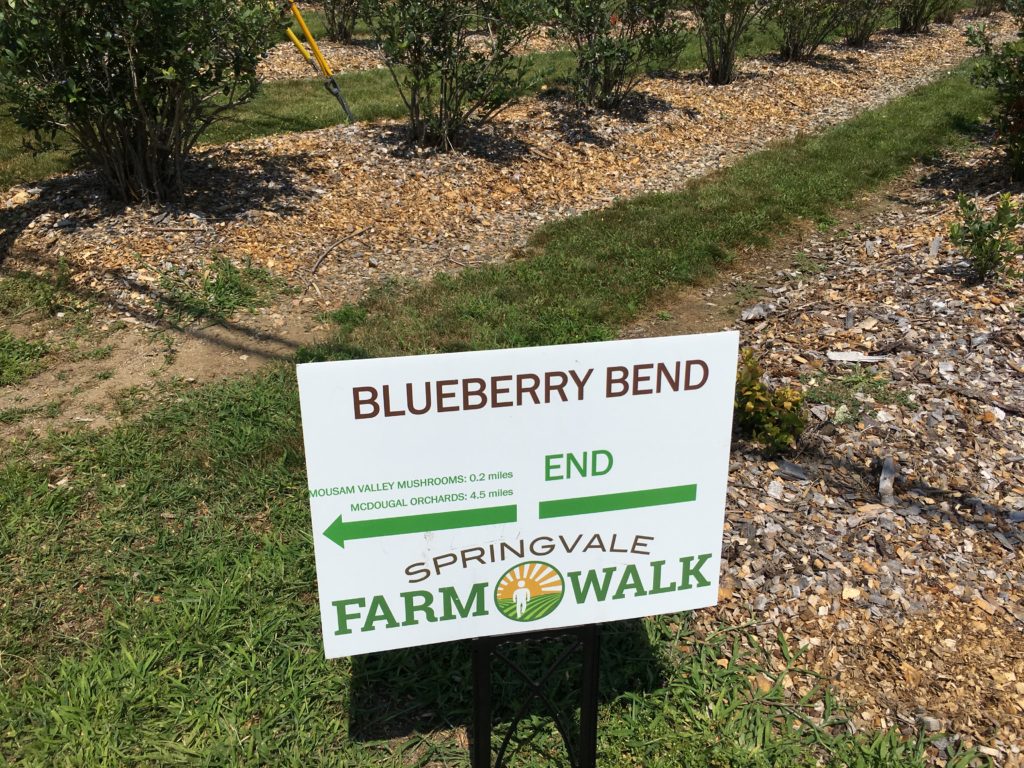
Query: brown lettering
point(365, 396)
point(409, 400)
point(665, 375)
point(443, 395)
point(387, 404)
point(549, 387)
point(617, 382)
point(496, 390)
point(640, 547)
point(523, 389)
point(638, 377)
point(581, 383)
point(690, 364)
point(474, 388)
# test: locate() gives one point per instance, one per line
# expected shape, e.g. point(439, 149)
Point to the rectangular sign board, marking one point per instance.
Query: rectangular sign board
point(488, 493)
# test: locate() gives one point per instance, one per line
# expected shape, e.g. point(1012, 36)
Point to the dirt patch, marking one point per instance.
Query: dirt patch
point(103, 367)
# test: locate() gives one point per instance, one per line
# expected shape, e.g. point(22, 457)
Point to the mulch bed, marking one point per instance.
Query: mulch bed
point(283, 62)
point(385, 211)
point(891, 546)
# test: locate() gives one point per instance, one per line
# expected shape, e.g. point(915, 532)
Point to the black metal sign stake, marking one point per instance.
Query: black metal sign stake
point(581, 748)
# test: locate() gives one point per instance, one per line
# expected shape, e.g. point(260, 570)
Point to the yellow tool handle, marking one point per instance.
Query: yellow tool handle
point(312, 42)
point(298, 44)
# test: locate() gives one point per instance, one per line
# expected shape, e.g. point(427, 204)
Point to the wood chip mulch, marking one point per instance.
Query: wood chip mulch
point(396, 213)
point(892, 545)
point(283, 62)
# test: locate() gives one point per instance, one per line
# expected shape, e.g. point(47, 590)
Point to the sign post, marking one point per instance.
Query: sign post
point(485, 494)
point(585, 644)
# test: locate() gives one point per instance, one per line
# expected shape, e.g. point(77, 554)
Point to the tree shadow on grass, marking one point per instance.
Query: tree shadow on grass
point(430, 688)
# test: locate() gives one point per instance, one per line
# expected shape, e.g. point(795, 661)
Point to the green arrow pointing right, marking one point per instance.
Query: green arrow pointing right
point(614, 502)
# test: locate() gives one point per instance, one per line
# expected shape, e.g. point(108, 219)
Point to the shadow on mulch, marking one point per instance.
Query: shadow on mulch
point(700, 76)
point(857, 482)
point(430, 688)
point(826, 62)
point(980, 179)
point(574, 122)
point(223, 185)
point(367, 43)
point(493, 143)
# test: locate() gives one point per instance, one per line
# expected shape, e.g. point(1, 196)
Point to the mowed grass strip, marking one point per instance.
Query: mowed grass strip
point(590, 274)
point(158, 604)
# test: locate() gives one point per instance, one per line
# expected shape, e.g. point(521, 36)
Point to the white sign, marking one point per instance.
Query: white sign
point(487, 493)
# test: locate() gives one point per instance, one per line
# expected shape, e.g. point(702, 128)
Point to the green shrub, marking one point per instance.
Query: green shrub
point(1002, 69)
point(987, 241)
point(615, 43)
point(914, 16)
point(721, 25)
point(341, 16)
point(804, 25)
point(863, 19)
point(449, 84)
point(134, 83)
point(771, 417)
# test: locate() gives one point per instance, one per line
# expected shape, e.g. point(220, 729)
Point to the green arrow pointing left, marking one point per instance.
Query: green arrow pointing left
point(339, 531)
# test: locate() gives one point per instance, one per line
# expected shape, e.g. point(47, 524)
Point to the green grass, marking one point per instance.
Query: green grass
point(219, 292)
point(315, 20)
point(15, 415)
point(317, 23)
point(849, 389)
point(19, 360)
point(158, 602)
point(17, 165)
point(22, 291)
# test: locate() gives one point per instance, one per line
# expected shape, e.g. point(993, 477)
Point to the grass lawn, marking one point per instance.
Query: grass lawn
point(17, 164)
point(158, 604)
point(317, 23)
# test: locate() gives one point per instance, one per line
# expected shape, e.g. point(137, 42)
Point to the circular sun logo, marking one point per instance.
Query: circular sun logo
point(529, 591)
